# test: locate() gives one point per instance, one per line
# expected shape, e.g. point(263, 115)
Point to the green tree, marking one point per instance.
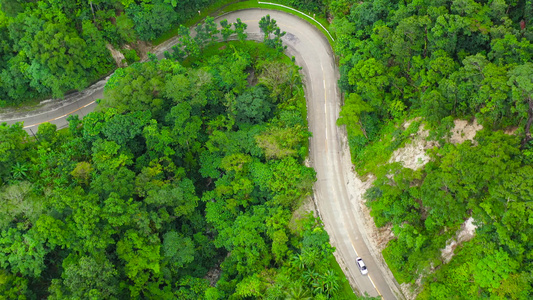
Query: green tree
point(240, 29)
point(47, 134)
point(135, 89)
point(178, 88)
point(249, 251)
point(13, 286)
point(252, 106)
point(58, 58)
point(141, 257)
point(151, 19)
point(177, 250)
point(23, 252)
point(269, 26)
point(13, 145)
point(226, 30)
point(19, 204)
point(123, 128)
point(298, 293)
point(110, 208)
point(251, 286)
point(86, 277)
point(206, 32)
point(350, 115)
point(125, 28)
point(19, 171)
point(521, 82)
point(290, 181)
point(190, 44)
point(82, 172)
point(281, 78)
point(279, 245)
point(488, 273)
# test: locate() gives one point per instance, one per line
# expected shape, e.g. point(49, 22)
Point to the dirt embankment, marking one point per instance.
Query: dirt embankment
point(119, 58)
point(141, 49)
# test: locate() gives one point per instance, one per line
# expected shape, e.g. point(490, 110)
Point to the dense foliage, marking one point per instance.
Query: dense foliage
point(193, 169)
point(50, 47)
point(438, 61)
point(183, 173)
point(318, 7)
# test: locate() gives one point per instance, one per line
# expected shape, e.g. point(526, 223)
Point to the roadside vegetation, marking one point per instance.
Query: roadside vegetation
point(182, 185)
point(48, 48)
point(190, 171)
point(312, 12)
point(51, 47)
point(434, 62)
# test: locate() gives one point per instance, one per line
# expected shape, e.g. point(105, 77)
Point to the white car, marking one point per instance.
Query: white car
point(361, 265)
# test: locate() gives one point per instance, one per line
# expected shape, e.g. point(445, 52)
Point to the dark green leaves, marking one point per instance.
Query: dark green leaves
point(253, 106)
point(113, 210)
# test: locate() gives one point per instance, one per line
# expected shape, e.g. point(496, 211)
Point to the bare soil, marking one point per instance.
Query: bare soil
point(213, 275)
point(410, 291)
point(117, 56)
point(464, 130)
point(413, 155)
point(464, 234)
point(142, 49)
point(511, 130)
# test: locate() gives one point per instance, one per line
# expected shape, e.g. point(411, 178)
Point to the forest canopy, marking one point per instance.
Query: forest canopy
point(194, 163)
point(187, 175)
point(48, 48)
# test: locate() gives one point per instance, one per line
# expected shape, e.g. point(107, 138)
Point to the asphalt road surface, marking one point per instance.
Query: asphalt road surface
point(331, 191)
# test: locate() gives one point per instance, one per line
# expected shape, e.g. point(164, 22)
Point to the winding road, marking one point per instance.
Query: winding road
point(328, 151)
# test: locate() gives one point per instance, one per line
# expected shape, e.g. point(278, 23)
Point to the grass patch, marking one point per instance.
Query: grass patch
point(63, 132)
point(257, 50)
point(345, 290)
point(397, 273)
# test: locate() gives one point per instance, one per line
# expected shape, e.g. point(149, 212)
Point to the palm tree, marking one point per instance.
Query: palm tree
point(297, 262)
point(19, 171)
point(298, 293)
point(311, 277)
point(330, 283)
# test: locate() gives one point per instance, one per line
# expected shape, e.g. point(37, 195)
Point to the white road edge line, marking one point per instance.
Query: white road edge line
point(372, 281)
point(354, 249)
point(287, 7)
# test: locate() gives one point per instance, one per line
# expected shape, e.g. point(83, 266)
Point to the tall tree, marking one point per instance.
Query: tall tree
point(269, 26)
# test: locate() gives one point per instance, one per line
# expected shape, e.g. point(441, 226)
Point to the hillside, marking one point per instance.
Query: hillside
point(440, 65)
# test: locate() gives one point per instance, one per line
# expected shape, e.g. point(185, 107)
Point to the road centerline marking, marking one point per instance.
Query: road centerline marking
point(60, 117)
